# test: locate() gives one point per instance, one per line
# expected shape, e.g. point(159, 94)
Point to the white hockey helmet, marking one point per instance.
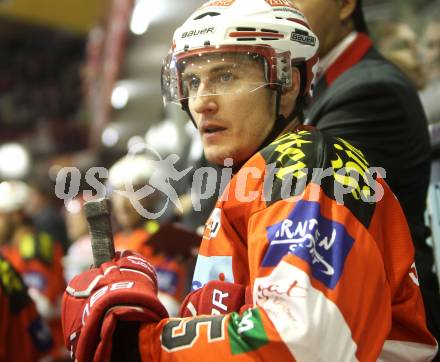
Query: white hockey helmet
point(13, 196)
point(271, 30)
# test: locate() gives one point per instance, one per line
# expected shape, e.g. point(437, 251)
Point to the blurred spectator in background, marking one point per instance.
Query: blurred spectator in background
point(24, 335)
point(431, 94)
point(79, 256)
point(432, 46)
point(45, 215)
point(398, 42)
point(128, 180)
point(35, 256)
point(134, 228)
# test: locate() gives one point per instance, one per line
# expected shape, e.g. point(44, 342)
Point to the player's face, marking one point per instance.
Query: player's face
point(233, 110)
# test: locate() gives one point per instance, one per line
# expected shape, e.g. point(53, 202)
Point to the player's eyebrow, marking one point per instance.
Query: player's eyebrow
point(188, 75)
point(216, 69)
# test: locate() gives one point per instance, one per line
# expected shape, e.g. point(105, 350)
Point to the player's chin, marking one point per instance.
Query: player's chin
point(216, 154)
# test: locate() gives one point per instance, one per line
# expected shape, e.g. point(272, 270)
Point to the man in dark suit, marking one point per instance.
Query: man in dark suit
point(363, 98)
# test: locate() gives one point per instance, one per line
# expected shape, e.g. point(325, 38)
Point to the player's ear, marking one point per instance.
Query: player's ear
point(288, 99)
point(346, 9)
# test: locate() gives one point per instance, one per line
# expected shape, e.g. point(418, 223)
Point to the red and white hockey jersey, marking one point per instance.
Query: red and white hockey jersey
point(331, 272)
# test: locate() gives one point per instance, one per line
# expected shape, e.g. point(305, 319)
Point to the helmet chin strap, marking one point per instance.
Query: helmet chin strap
point(185, 107)
point(281, 122)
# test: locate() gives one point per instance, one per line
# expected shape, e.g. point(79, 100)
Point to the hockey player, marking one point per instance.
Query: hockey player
point(36, 256)
point(298, 273)
point(24, 335)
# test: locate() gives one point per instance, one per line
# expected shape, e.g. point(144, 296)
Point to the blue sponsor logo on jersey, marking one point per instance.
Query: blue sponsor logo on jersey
point(212, 268)
point(323, 243)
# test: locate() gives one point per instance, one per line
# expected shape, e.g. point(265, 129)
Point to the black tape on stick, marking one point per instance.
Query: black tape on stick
point(98, 216)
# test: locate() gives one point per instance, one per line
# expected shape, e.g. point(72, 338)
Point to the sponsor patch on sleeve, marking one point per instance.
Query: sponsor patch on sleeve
point(246, 332)
point(323, 243)
point(212, 268)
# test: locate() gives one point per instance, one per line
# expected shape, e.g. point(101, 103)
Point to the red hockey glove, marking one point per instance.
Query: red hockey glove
point(215, 297)
point(124, 289)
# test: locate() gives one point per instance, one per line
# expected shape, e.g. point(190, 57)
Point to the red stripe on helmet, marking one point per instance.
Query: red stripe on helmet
point(254, 34)
point(299, 22)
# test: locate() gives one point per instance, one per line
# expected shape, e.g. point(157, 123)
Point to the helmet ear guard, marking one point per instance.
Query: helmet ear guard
point(284, 71)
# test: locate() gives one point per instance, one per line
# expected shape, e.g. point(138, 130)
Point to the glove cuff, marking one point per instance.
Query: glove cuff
point(118, 301)
point(215, 297)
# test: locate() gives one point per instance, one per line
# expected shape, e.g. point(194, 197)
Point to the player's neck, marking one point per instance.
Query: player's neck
point(291, 127)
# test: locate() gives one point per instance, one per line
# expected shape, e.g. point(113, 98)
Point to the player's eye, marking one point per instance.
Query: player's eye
point(225, 77)
point(192, 82)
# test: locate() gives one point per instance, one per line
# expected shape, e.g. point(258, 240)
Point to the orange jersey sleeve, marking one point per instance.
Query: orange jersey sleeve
point(331, 271)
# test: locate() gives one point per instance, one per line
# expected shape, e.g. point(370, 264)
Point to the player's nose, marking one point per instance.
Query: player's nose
point(204, 102)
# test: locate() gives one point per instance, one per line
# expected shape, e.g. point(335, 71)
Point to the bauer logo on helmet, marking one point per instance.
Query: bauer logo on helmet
point(196, 32)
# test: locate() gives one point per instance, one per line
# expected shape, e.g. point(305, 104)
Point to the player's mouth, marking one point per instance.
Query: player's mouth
point(211, 129)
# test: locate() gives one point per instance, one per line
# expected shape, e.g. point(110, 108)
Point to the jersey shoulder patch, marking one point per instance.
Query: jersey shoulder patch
point(340, 169)
point(288, 160)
